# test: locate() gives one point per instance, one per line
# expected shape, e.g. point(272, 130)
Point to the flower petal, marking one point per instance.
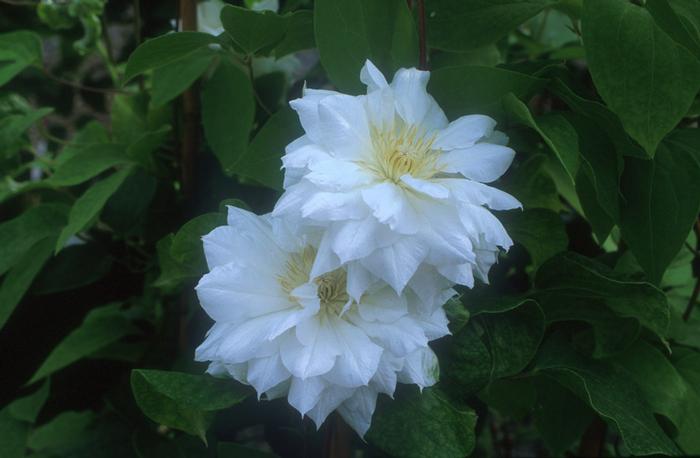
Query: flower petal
point(429, 188)
point(304, 394)
point(358, 409)
point(484, 162)
point(343, 126)
point(372, 77)
point(382, 304)
point(334, 206)
point(329, 400)
point(413, 103)
point(473, 192)
point(358, 358)
point(390, 206)
point(420, 367)
point(397, 263)
point(311, 350)
point(266, 373)
point(464, 132)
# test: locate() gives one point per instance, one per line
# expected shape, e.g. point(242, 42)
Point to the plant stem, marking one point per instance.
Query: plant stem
point(337, 441)
point(593, 439)
point(190, 113)
point(423, 60)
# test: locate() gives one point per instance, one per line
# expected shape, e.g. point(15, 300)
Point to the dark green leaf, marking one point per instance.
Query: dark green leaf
point(18, 50)
point(650, 100)
point(458, 25)
point(673, 23)
point(93, 133)
point(233, 450)
point(228, 109)
point(183, 401)
point(89, 205)
point(570, 276)
point(164, 50)
point(610, 393)
point(662, 201)
point(20, 277)
point(423, 424)
point(13, 435)
point(540, 231)
point(92, 161)
point(348, 33)
point(101, 327)
point(62, 433)
point(172, 79)
point(122, 212)
point(28, 407)
point(187, 249)
point(473, 89)
point(299, 35)
point(532, 184)
point(13, 126)
point(73, 267)
point(261, 162)
point(253, 31)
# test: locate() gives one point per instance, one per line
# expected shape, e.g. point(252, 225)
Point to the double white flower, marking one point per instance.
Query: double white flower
point(334, 297)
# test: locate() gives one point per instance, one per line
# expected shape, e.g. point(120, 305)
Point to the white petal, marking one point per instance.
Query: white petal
point(381, 110)
point(476, 193)
point(235, 344)
point(390, 206)
point(278, 391)
point(266, 373)
point(461, 274)
point(294, 197)
point(307, 109)
point(337, 175)
point(304, 394)
point(311, 350)
point(302, 156)
point(478, 220)
point(483, 162)
point(352, 240)
point(434, 325)
point(464, 132)
point(343, 126)
point(359, 280)
point(420, 367)
point(234, 293)
point(429, 286)
point(497, 137)
point(358, 358)
point(397, 263)
point(372, 77)
point(334, 206)
point(382, 304)
point(326, 260)
point(431, 189)
point(401, 337)
point(413, 103)
point(358, 409)
point(384, 379)
point(329, 400)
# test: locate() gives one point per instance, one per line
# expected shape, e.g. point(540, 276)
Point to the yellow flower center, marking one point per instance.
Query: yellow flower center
point(332, 286)
point(403, 150)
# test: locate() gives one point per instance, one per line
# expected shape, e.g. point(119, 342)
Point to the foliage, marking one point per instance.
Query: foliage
point(122, 141)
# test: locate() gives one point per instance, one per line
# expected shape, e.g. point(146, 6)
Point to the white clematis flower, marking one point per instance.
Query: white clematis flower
point(288, 333)
point(397, 189)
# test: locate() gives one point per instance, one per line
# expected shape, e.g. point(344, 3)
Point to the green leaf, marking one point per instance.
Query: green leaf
point(89, 205)
point(172, 79)
point(28, 408)
point(255, 32)
point(18, 50)
point(20, 277)
point(101, 327)
point(348, 33)
point(74, 267)
point(458, 25)
point(261, 162)
point(560, 417)
point(570, 276)
point(554, 129)
point(666, 391)
point(228, 109)
point(19, 234)
point(92, 133)
point(62, 433)
point(672, 23)
point(183, 401)
point(423, 424)
point(653, 98)
point(474, 89)
point(610, 393)
point(662, 201)
point(532, 184)
point(172, 271)
point(299, 34)
point(13, 435)
point(187, 245)
point(163, 50)
point(92, 161)
point(13, 126)
point(540, 231)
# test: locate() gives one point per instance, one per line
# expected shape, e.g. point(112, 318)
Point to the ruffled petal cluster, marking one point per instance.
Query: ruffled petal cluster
point(288, 333)
point(397, 189)
point(333, 297)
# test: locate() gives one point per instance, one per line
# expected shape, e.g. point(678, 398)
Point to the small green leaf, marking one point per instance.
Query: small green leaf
point(299, 34)
point(20, 277)
point(540, 231)
point(93, 133)
point(183, 401)
point(62, 433)
point(18, 50)
point(255, 32)
point(570, 276)
point(458, 25)
point(653, 98)
point(172, 79)
point(348, 33)
point(423, 424)
point(92, 161)
point(89, 205)
point(662, 199)
point(28, 408)
point(610, 393)
point(672, 23)
point(187, 244)
point(261, 162)
point(163, 50)
point(13, 435)
point(228, 109)
point(101, 327)
point(74, 267)
point(12, 128)
point(473, 89)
